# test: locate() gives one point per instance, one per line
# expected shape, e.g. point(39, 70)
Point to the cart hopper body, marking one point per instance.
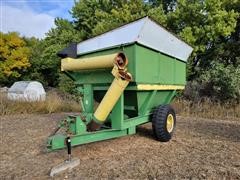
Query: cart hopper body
point(154, 58)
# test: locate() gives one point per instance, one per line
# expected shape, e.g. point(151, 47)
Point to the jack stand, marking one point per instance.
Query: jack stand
point(68, 142)
point(70, 163)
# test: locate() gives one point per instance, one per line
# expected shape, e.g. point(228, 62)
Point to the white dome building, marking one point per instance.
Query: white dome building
point(27, 91)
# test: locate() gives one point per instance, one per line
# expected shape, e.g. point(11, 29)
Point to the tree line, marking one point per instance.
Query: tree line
point(211, 27)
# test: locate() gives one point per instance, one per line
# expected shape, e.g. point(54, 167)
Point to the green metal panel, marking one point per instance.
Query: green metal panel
point(180, 72)
point(117, 115)
point(167, 70)
point(140, 102)
point(153, 67)
point(88, 98)
point(58, 141)
point(146, 66)
point(161, 97)
point(132, 122)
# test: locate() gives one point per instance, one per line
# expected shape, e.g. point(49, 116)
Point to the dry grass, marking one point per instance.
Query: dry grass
point(207, 109)
point(54, 103)
point(59, 103)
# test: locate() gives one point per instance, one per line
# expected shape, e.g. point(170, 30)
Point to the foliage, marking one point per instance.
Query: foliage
point(125, 12)
point(84, 12)
point(222, 82)
point(47, 63)
point(203, 24)
point(92, 18)
point(34, 73)
point(14, 57)
point(67, 85)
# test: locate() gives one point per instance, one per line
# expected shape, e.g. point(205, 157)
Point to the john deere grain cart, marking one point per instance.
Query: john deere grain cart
point(132, 73)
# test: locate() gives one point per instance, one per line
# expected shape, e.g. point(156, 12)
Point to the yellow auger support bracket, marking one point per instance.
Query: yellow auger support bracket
point(98, 62)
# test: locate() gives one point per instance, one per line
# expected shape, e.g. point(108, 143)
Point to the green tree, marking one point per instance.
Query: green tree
point(122, 13)
point(167, 5)
point(221, 82)
point(84, 15)
point(14, 57)
point(211, 27)
point(36, 47)
point(44, 59)
point(202, 24)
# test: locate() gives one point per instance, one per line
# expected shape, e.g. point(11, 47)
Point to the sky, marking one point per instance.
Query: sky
point(32, 17)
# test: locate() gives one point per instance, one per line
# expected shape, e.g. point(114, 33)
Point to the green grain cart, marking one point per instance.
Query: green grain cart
point(132, 73)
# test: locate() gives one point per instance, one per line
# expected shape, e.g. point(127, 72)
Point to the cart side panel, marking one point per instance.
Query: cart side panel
point(153, 67)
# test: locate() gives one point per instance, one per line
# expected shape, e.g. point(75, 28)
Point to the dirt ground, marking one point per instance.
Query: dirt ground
point(200, 149)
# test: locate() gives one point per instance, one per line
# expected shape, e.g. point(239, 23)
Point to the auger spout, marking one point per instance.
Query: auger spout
point(98, 62)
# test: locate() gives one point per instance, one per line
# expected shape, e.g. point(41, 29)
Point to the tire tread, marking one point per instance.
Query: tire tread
point(159, 122)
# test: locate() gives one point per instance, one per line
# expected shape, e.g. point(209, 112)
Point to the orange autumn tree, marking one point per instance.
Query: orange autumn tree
point(14, 57)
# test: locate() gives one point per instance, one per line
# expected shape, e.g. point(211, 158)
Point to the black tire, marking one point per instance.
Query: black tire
point(159, 122)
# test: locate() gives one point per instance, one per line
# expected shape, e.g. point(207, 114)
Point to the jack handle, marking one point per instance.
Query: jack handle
point(68, 142)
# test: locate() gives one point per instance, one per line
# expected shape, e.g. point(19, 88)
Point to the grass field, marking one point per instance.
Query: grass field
point(54, 103)
point(202, 148)
point(57, 102)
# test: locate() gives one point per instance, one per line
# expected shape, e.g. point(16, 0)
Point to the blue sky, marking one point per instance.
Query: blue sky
point(32, 17)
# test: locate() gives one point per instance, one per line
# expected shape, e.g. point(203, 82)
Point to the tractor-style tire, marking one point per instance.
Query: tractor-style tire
point(163, 122)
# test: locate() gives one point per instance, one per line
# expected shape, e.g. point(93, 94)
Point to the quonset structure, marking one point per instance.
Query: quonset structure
point(133, 72)
point(26, 91)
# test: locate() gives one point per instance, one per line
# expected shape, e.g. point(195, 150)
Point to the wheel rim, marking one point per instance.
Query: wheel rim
point(170, 123)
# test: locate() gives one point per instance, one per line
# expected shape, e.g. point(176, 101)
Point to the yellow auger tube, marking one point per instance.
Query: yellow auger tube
point(98, 62)
point(112, 95)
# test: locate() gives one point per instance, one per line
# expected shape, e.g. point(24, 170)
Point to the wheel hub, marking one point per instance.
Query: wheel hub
point(170, 123)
